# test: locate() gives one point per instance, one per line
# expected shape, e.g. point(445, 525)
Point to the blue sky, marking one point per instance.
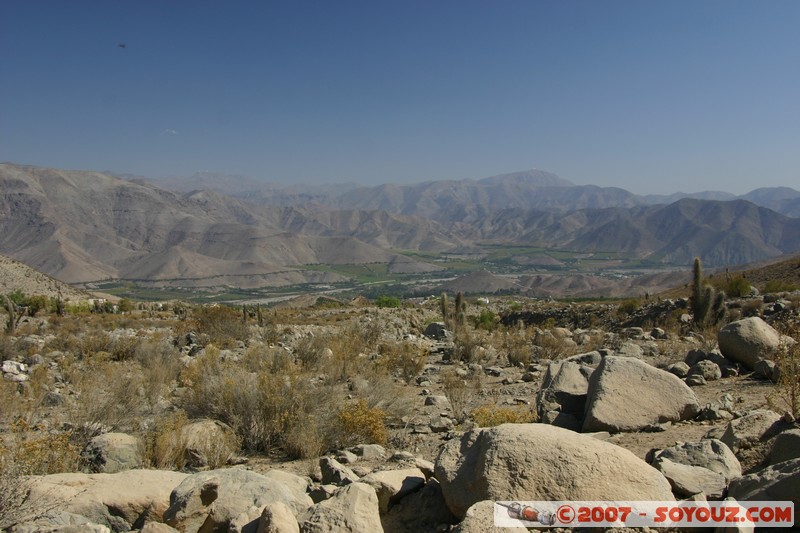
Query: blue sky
point(648, 96)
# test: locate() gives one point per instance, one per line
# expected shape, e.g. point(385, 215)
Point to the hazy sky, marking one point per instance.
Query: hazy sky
point(649, 96)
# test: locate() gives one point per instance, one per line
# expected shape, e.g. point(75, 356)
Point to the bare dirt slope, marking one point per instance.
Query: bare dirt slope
point(19, 276)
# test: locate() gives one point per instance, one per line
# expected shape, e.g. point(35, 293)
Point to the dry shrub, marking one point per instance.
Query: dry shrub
point(363, 424)
point(223, 325)
point(467, 346)
point(260, 358)
point(385, 394)
point(111, 397)
point(262, 408)
point(11, 401)
point(13, 492)
point(159, 361)
point(91, 344)
point(516, 344)
point(350, 347)
point(552, 346)
point(122, 347)
point(167, 444)
point(461, 392)
point(33, 451)
point(403, 358)
point(491, 415)
point(310, 350)
point(752, 307)
point(786, 396)
point(163, 446)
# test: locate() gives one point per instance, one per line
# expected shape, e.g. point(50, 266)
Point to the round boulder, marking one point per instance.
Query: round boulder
point(113, 452)
point(748, 341)
point(214, 498)
point(626, 394)
point(541, 462)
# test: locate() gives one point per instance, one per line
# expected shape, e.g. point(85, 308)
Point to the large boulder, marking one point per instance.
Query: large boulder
point(113, 452)
point(335, 473)
point(779, 482)
point(785, 447)
point(698, 467)
point(213, 499)
point(564, 388)
point(438, 331)
point(58, 522)
point(278, 518)
point(352, 508)
point(541, 462)
point(711, 454)
point(626, 394)
point(747, 431)
point(115, 500)
point(748, 341)
point(207, 443)
point(423, 510)
point(688, 480)
point(391, 486)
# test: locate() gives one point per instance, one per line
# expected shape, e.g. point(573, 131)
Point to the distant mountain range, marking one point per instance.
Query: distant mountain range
point(88, 226)
point(444, 200)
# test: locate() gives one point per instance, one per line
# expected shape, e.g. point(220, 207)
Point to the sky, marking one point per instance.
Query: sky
point(653, 97)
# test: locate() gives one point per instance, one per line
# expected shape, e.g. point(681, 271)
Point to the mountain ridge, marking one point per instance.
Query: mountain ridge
point(88, 226)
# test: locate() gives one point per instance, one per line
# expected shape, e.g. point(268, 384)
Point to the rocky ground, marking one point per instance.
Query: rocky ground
point(357, 418)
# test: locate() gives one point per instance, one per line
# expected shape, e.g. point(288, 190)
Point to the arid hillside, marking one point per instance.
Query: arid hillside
point(166, 416)
point(16, 276)
point(93, 227)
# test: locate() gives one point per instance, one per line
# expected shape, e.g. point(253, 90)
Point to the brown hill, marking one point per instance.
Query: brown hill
point(88, 226)
point(19, 276)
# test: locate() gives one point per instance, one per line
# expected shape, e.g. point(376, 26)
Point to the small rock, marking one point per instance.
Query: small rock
point(695, 380)
point(709, 370)
point(679, 369)
point(336, 473)
point(346, 457)
point(438, 401)
point(369, 451)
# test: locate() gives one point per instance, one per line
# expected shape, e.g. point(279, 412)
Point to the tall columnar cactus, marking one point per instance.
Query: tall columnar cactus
point(445, 308)
point(13, 319)
point(60, 311)
point(706, 304)
point(460, 310)
point(454, 318)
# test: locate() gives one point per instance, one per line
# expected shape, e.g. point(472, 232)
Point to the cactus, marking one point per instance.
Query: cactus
point(60, 304)
point(461, 310)
point(180, 311)
point(445, 308)
point(260, 315)
point(706, 304)
point(13, 316)
point(456, 317)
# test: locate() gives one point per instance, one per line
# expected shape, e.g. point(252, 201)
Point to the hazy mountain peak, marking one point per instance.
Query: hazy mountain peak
point(528, 178)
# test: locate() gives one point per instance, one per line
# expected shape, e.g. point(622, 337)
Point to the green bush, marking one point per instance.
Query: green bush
point(387, 301)
point(487, 320)
point(737, 287)
point(779, 286)
point(628, 307)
